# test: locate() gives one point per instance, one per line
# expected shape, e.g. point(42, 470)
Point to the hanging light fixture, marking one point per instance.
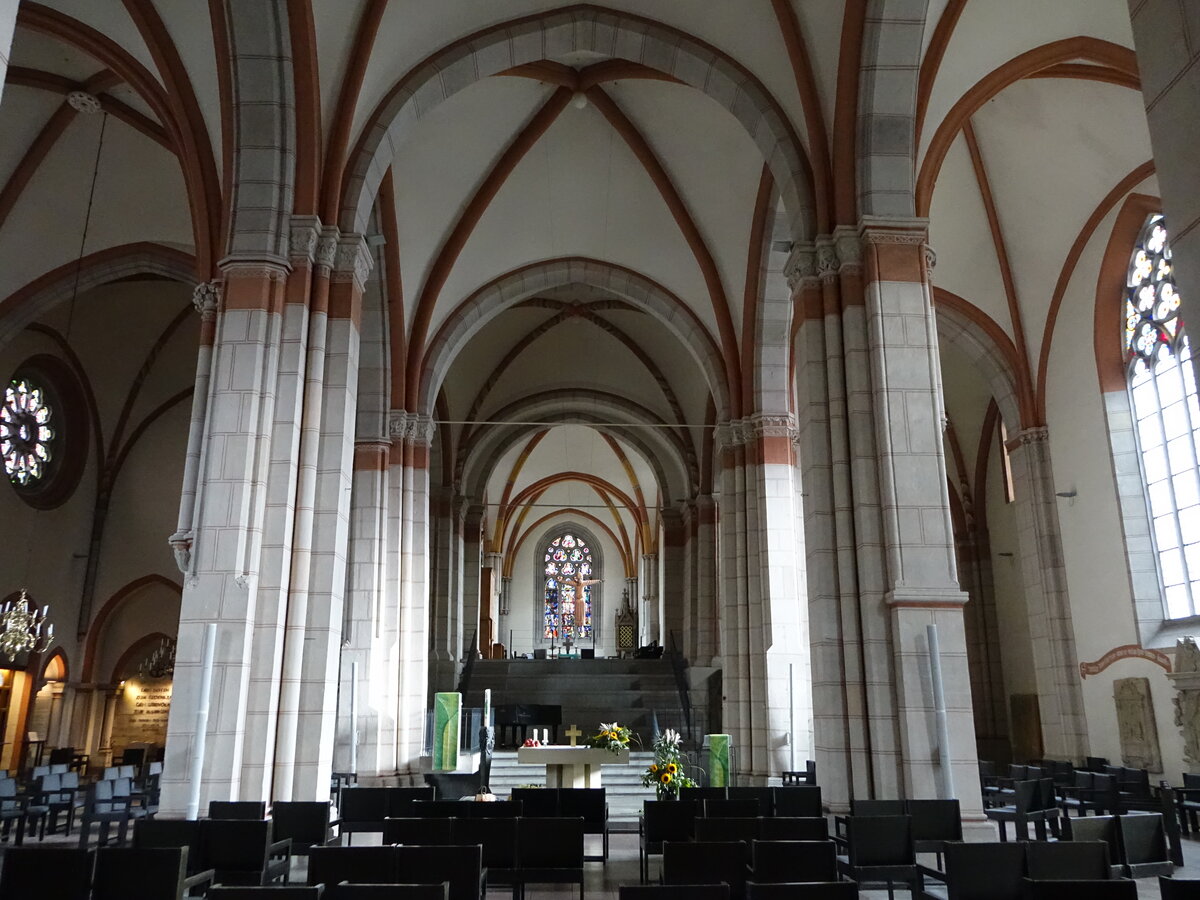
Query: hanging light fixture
point(160, 663)
point(24, 630)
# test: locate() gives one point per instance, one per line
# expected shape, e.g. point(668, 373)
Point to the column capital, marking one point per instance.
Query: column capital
point(762, 425)
point(1038, 434)
point(396, 421)
point(418, 430)
point(242, 265)
point(801, 267)
point(326, 249)
point(206, 297)
point(353, 260)
point(302, 239)
point(848, 244)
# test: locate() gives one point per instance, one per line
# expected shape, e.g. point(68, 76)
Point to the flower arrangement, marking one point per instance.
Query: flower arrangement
point(667, 771)
point(612, 737)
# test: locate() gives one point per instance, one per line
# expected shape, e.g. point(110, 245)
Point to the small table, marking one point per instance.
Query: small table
point(571, 767)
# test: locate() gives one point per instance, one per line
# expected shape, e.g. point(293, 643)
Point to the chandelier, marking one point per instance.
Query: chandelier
point(22, 629)
point(161, 662)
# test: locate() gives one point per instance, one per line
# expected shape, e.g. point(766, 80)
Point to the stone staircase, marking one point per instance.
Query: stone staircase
point(622, 784)
point(635, 692)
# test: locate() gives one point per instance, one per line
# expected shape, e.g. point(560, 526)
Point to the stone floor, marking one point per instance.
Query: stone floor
point(603, 880)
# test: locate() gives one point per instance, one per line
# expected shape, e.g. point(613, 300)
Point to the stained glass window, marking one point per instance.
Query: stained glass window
point(567, 610)
point(1162, 390)
point(25, 432)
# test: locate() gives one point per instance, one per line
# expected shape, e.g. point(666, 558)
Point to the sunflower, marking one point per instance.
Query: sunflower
point(653, 768)
point(665, 778)
point(672, 768)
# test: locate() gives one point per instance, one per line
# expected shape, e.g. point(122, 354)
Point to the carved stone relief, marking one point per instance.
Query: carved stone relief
point(1136, 725)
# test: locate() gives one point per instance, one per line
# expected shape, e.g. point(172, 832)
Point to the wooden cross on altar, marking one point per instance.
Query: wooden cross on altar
point(573, 732)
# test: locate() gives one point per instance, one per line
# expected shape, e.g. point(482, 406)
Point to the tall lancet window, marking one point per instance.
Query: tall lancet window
point(567, 600)
point(1162, 390)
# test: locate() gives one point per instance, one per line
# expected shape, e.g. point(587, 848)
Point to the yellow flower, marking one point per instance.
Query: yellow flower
point(672, 768)
point(653, 768)
point(665, 778)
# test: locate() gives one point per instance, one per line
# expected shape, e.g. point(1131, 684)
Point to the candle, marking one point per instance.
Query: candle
point(487, 707)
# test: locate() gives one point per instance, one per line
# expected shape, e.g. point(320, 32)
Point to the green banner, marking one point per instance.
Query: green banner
point(447, 719)
point(718, 760)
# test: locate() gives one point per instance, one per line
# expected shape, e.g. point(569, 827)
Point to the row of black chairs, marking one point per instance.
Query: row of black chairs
point(469, 853)
point(811, 890)
point(736, 863)
point(237, 851)
point(114, 873)
point(789, 800)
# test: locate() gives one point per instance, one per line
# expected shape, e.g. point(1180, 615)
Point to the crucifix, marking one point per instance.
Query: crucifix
point(573, 732)
point(578, 583)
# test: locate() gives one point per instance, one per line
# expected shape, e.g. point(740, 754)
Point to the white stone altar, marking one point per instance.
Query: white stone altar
point(571, 767)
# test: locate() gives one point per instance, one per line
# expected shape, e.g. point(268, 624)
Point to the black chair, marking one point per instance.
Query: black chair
point(703, 793)
point(67, 799)
point(58, 872)
point(388, 891)
point(242, 851)
point(934, 822)
point(1144, 850)
point(674, 892)
point(441, 809)
point(728, 829)
point(237, 809)
point(1188, 798)
point(1067, 861)
point(662, 821)
point(363, 809)
point(800, 801)
point(358, 865)
point(880, 849)
point(1058, 889)
point(591, 805)
point(711, 863)
point(876, 807)
point(550, 851)
point(271, 892)
point(792, 828)
point(813, 890)
point(1027, 806)
point(103, 808)
point(498, 838)
point(1097, 828)
point(537, 802)
point(305, 823)
point(741, 809)
point(158, 834)
point(788, 861)
point(418, 831)
point(493, 809)
point(979, 871)
point(459, 865)
point(1178, 888)
point(764, 796)
point(126, 873)
point(12, 809)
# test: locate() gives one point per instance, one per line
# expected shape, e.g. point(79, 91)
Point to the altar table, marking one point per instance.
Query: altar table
point(571, 767)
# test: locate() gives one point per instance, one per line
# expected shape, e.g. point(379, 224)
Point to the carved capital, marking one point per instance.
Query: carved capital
point(419, 430)
point(888, 230)
point(263, 267)
point(353, 261)
point(849, 248)
point(206, 297)
point(930, 258)
point(1037, 435)
point(327, 245)
point(801, 266)
point(728, 435)
point(397, 418)
point(302, 238)
point(761, 425)
point(827, 261)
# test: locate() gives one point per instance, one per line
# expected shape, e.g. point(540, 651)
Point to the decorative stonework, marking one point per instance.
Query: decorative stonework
point(760, 426)
point(801, 266)
point(885, 230)
point(849, 248)
point(1135, 724)
point(1039, 434)
point(83, 102)
point(206, 297)
point(396, 422)
point(265, 269)
point(181, 546)
point(827, 261)
point(930, 258)
point(1186, 681)
point(1125, 651)
point(353, 261)
point(327, 245)
point(419, 430)
point(302, 239)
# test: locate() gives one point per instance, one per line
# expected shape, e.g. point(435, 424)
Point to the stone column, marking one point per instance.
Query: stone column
point(1167, 38)
point(674, 579)
point(495, 562)
point(631, 585)
point(226, 543)
point(733, 615)
point(705, 552)
point(650, 598)
point(444, 648)
point(473, 542)
point(410, 522)
point(1044, 578)
point(922, 585)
